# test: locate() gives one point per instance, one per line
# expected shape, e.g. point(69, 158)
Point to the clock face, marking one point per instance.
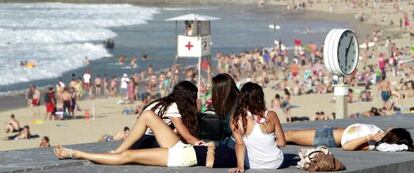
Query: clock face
point(347, 52)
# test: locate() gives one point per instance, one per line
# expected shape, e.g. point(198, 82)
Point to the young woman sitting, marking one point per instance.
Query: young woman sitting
point(258, 130)
point(354, 137)
point(172, 152)
point(225, 98)
point(177, 110)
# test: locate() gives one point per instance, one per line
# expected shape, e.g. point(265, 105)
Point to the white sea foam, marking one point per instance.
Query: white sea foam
point(51, 60)
point(58, 36)
point(185, 8)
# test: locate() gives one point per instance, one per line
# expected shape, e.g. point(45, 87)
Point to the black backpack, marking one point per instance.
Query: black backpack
point(211, 126)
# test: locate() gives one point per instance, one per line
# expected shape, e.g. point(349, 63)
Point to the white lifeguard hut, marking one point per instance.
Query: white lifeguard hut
point(195, 39)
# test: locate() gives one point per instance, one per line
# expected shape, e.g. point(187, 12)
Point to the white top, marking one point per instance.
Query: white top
point(86, 77)
point(355, 131)
point(262, 150)
point(171, 111)
point(124, 82)
point(384, 147)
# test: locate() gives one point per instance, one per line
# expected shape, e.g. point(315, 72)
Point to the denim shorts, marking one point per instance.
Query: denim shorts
point(324, 136)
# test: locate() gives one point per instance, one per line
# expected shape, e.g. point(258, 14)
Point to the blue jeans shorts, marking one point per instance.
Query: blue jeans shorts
point(324, 136)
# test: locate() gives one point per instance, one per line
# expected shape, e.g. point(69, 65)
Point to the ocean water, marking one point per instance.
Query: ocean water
point(58, 36)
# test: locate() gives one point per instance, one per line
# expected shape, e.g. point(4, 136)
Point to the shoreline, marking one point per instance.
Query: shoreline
point(364, 28)
point(110, 119)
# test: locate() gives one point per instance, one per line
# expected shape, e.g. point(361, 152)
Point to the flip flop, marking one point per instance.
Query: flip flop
point(65, 149)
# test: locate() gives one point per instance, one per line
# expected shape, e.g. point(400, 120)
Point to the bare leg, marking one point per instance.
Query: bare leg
point(9, 128)
point(338, 132)
point(154, 156)
point(148, 119)
point(305, 137)
point(300, 137)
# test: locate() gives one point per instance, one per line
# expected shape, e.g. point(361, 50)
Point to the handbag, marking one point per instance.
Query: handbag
point(211, 126)
point(319, 159)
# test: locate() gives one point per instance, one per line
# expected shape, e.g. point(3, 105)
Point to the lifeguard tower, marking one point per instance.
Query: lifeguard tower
point(194, 39)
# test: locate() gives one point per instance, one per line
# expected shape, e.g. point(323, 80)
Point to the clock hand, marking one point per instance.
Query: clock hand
point(347, 51)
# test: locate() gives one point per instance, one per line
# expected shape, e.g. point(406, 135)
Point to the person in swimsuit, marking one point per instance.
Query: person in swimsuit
point(74, 104)
point(50, 103)
point(35, 100)
point(385, 89)
point(13, 125)
point(121, 135)
point(67, 102)
point(23, 134)
point(29, 95)
point(98, 85)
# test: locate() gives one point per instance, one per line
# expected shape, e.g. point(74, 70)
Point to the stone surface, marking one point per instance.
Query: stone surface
point(43, 160)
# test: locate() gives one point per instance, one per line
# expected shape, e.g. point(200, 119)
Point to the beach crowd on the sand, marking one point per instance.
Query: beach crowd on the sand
point(385, 69)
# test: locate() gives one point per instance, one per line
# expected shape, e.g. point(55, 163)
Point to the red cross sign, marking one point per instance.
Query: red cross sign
point(189, 46)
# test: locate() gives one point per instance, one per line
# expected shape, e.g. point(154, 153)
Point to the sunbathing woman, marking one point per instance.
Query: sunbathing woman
point(172, 152)
point(354, 137)
point(23, 134)
point(258, 130)
point(177, 110)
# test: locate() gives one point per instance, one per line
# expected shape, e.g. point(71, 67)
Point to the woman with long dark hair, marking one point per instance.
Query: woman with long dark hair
point(258, 130)
point(172, 152)
point(178, 110)
point(225, 97)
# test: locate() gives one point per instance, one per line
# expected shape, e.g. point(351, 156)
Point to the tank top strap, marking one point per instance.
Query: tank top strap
point(265, 114)
point(249, 114)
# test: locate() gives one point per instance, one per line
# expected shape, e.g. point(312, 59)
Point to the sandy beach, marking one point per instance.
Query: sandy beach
point(108, 114)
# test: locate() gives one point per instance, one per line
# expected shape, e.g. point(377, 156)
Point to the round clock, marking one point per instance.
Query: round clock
point(341, 52)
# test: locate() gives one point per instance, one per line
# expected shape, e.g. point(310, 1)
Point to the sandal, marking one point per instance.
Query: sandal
point(58, 153)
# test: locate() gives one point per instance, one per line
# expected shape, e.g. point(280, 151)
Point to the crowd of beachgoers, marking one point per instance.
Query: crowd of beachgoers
point(297, 71)
point(384, 69)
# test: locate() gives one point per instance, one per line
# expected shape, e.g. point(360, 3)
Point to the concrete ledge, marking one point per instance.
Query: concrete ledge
point(43, 160)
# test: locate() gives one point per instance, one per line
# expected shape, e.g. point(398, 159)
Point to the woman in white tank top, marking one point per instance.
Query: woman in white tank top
point(257, 130)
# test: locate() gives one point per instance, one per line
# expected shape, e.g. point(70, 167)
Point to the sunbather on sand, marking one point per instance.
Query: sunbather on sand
point(12, 125)
point(121, 135)
point(23, 134)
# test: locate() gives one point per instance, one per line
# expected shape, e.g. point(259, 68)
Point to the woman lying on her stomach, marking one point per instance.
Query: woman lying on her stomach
point(258, 130)
point(354, 137)
point(172, 152)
